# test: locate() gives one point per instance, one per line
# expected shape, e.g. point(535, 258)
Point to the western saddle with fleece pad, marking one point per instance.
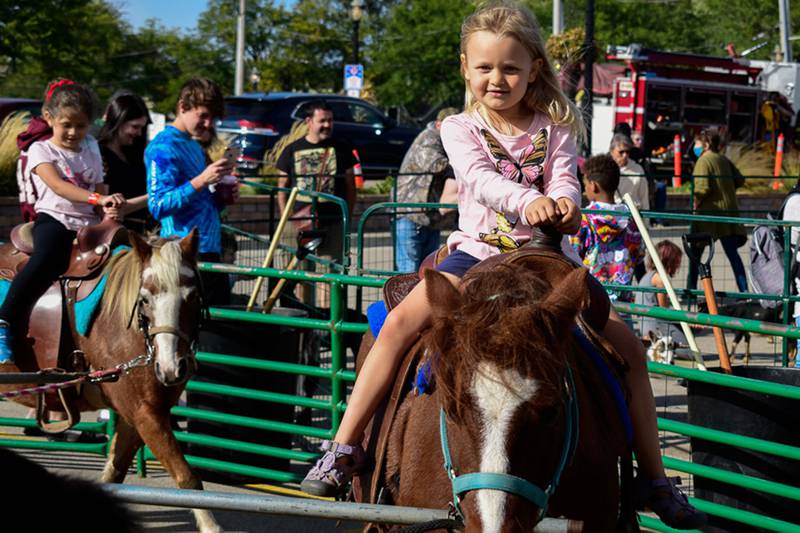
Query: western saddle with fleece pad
point(50, 343)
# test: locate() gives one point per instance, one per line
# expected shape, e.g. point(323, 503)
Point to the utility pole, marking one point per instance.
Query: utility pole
point(239, 83)
point(558, 16)
point(588, 74)
point(356, 12)
point(786, 30)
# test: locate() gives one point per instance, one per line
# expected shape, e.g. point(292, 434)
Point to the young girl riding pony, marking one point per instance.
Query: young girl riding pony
point(66, 169)
point(514, 157)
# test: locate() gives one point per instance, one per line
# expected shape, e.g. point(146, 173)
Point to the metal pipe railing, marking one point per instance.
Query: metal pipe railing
point(286, 506)
point(725, 380)
point(705, 319)
point(723, 437)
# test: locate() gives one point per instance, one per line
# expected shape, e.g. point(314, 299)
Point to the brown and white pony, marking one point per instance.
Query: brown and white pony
point(152, 303)
point(502, 345)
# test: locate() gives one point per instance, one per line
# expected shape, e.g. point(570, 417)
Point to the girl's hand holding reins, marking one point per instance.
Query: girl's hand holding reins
point(570, 221)
point(542, 212)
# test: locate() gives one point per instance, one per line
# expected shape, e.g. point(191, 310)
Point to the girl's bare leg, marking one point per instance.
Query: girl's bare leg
point(402, 327)
point(662, 496)
point(643, 406)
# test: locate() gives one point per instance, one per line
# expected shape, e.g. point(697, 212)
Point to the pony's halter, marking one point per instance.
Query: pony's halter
point(507, 482)
point(150, 335)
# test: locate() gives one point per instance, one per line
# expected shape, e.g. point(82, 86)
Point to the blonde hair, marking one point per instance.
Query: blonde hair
point(125, 276)
point(544, 95)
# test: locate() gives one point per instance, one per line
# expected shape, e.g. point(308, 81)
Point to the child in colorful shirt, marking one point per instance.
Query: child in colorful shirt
point(610, 246)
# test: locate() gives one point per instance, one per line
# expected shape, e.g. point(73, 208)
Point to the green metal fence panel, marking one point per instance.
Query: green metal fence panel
point(725, 380)
point(255, 423)
point(658, 525)
point(745, 517)
point(339, 376)
point(740, 441)
point(246, 447)
point(732, 478)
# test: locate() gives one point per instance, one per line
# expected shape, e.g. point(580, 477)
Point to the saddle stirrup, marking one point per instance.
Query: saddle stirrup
point(58, 426)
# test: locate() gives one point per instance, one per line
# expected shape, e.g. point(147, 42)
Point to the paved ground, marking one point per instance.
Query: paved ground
point(671, 400)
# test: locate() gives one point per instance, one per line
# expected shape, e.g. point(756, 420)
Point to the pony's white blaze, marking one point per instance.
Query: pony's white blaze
point(498, 396)
point(166, 312)
point(166, 267)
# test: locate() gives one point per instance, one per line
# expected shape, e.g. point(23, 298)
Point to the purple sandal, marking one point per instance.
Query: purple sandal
point(669, 503)
point(334, 469)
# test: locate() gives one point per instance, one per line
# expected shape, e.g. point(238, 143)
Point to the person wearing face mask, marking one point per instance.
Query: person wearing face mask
point(122, 141)
point(716, 179)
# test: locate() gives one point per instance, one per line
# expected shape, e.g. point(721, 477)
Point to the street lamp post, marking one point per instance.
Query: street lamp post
point(356, 12)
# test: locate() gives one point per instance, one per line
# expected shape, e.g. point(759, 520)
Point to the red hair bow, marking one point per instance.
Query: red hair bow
point(56, 85)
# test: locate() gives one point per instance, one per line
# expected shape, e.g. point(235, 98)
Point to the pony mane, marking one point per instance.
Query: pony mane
point(501, 320)
point(125, 271)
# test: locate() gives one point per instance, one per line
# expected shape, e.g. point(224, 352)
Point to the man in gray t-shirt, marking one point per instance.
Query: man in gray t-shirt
point(422, 178)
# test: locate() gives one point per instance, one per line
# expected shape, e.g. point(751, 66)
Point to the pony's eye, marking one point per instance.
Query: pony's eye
point(145, 300)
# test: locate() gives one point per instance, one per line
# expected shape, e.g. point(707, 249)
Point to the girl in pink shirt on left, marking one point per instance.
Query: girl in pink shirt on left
point(66, 169)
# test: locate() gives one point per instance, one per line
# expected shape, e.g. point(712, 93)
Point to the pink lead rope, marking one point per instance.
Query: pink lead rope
point(93, 377)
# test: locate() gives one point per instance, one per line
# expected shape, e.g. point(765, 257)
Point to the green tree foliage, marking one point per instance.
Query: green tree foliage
point(45, 39)
point(410, 48)
point(86, 40)
point(263, 20)
point(416, 59)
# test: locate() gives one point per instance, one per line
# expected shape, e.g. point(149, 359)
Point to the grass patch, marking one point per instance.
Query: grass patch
point(12, 126)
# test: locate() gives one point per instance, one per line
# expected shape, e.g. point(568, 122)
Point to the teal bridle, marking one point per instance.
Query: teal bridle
point(509, 483)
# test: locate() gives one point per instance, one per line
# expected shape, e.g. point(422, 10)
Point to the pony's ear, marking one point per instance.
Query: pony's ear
point(442, 295)
point(567, 298)
point(140, 246)
point(189, 245)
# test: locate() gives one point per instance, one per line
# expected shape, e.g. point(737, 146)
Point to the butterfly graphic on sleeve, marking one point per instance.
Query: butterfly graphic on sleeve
point(530, 166)
point(499, 236)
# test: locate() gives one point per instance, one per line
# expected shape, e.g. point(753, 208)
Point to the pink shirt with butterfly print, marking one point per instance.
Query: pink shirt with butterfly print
point(498, 176)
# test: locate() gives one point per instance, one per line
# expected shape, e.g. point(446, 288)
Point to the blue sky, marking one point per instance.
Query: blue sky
point(180, 14)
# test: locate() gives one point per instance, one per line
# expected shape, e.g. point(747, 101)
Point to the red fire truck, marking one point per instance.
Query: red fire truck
point(664, 94)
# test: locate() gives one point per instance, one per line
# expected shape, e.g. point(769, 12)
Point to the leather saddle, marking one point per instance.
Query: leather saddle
point(543, 256)
point(48, 345)
point(90, 250)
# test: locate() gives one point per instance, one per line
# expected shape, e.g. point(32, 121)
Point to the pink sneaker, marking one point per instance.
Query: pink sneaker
point(334, 469)
point(669, 503)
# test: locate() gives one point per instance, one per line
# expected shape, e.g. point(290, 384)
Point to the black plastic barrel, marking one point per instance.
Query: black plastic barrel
point(762, 416)
point(253, 340)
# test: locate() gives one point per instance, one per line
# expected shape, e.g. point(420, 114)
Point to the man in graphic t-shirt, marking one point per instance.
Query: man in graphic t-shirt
point(319, 162)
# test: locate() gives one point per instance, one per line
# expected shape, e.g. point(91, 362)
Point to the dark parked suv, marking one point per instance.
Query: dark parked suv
point(15, 105)
point(255, 121)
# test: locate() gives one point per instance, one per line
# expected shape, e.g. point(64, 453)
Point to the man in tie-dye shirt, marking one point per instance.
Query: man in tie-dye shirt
point(610, 246)
point(178, 180)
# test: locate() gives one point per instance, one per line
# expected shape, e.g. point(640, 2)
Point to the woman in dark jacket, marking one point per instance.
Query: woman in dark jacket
point(122, 140)
point(716, 179)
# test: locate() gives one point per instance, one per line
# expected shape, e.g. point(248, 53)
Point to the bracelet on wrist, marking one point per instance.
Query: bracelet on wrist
point(94, 198)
